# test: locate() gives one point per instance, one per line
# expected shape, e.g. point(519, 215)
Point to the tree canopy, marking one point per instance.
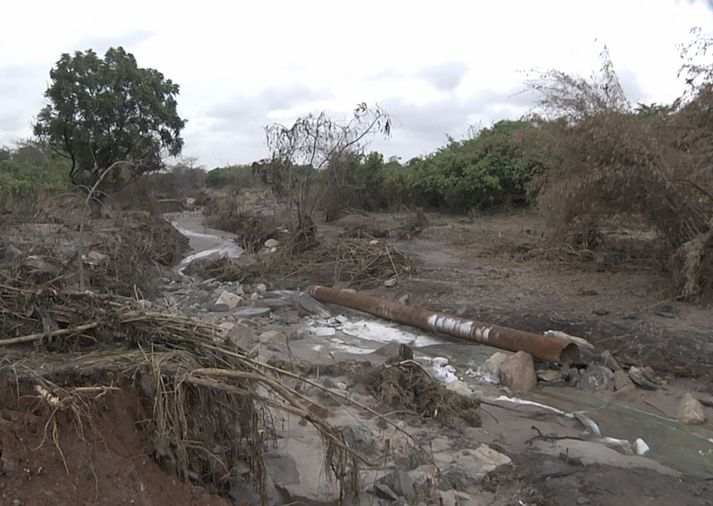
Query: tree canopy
point(104, 111)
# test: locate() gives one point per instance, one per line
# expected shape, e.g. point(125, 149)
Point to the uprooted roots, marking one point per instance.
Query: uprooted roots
point(210, 405)
point(406, 386)
point(356, 262)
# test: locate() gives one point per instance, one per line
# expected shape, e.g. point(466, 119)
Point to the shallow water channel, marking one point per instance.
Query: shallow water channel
point(688, 449)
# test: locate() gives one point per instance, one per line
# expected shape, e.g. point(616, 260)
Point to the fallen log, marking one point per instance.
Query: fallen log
point(543, 347)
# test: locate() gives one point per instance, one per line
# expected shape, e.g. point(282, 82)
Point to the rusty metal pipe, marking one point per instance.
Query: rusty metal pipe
point(543, 347)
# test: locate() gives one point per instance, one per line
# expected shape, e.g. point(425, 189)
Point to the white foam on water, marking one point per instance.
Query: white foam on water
point(384, 333)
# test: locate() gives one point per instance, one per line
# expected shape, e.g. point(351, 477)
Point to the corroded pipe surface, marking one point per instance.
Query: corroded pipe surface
point(543, 347)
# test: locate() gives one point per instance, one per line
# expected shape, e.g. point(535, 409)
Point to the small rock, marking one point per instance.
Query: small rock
point(218, 308)
point(607, 360)
point(323, 331)
point(548, 375)
point(261, 288)
point(597, 377)
point(621, 380)
point(308, 306)
point(637, 376)
point(240, 335)
point(518, 373)
point(493, 363)
point(391, 282)
point(272, 243)
point(404, 299)
point(690, 410)
point(399, 482)
point(244, 497)
point(247, 312)
point(459, 387)
point(254, 297)
point(272, 335)
point(395, 352)
point(383, 491)
point(640, 447)
point(341, 319)
point(230, 299)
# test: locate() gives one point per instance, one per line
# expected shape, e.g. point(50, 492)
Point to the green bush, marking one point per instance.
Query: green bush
point(494, 168)
point(31, 168)
point(235, 176)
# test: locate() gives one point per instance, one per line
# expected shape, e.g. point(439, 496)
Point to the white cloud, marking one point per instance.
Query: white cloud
point(437, 67)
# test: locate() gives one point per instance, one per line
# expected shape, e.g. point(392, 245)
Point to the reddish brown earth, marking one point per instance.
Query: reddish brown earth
point(106, 457)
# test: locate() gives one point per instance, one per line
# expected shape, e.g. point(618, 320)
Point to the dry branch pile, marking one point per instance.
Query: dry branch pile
point(407, 386)
point(358, 263)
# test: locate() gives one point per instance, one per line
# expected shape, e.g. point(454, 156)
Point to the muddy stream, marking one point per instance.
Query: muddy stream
point(684, 448)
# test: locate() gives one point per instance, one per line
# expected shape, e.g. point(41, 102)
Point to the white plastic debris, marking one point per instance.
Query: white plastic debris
point(640, 447)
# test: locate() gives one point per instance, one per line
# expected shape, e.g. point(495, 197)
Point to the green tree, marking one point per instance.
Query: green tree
point(109, 112)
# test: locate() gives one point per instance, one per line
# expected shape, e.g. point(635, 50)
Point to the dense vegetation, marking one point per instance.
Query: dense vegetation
point(30, 167)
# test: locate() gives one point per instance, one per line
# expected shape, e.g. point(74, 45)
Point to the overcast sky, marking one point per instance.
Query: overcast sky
point(436, 67)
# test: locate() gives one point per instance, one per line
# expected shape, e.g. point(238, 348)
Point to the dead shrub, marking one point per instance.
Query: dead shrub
point(406, 386)
point(610, 159)
point(357, 263)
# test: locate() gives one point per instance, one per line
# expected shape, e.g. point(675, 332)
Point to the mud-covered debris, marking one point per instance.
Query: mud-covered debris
point(407, 386)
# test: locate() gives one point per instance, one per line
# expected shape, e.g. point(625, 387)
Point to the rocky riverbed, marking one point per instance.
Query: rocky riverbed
point(586, 435)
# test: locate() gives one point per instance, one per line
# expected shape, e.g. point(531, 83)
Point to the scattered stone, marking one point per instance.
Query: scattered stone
point(690, 410)
point(640, 447)
point(275, 303)
point(229, 299)
point(240, 335)
point(549, 375)
point(391, 282)
point(383, 491)
point(244, 497)
point(248, 312)
point(459, 387)
point(254, 297)
point(323, 331)
point(404, 299)
point(272, 335)
point(218, 308)
point(607, 360)
point(666, 310)
point(398, 482)
point(518, 373)
point(272, 243)
point(597, 377)
point(395, 352)
point(637, 376)
point(341, 319)
point(621, 380)
point(308, 306)
point(359, 438)
point(493, 363)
